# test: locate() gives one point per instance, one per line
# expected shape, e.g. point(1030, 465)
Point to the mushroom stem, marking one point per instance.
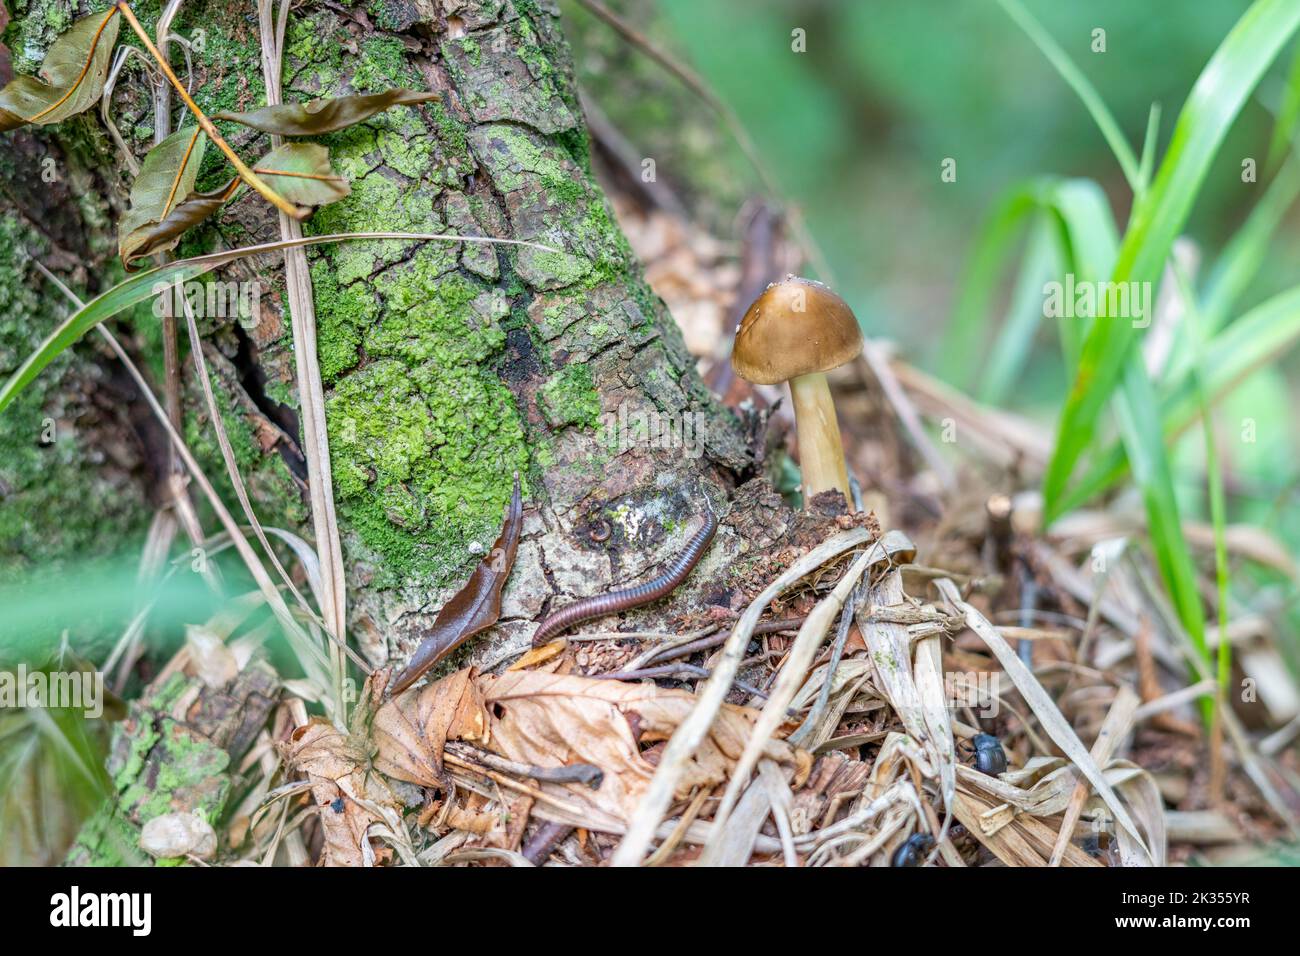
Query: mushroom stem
point(821, 455)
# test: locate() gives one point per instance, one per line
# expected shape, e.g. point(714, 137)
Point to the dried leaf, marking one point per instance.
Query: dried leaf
point(327, 115)
point(411, 730)
point(161, 236)
point(552, 720)
point(73, 75)
point(475, 607)
point(335, 764)
point(314, 182)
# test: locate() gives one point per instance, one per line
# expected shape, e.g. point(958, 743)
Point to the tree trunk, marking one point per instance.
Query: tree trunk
point(447, 367)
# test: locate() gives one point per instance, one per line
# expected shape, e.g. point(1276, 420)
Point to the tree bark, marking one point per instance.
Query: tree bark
point(448, 367)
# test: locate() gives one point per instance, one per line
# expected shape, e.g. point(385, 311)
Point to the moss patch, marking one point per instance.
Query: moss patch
point(570, 397)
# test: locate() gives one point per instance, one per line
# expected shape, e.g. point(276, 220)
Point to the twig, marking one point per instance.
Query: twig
point(674, 670)
point(543, 843)
point(705, 643)
point(583, 773)
point(246, 174)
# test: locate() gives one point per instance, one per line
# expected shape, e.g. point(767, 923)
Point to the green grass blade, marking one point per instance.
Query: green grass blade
point(1244, 254)
point(1089, 241)
point(993, 247)
point(1288, 115)
point(1256, 339)
point(1214, 103)
point(1148, 161)
point(1140, 428)
point(1011, 347)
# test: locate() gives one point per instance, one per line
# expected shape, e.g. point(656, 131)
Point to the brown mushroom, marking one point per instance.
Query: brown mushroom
point(796, 332)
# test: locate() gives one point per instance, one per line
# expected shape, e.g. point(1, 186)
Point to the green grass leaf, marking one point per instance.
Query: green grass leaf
point(1140, 427)
point(1252, 341)
point(1214, 103)
point(1119, 145)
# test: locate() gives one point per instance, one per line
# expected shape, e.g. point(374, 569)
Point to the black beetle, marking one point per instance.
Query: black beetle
point(913, 851)
point(990, 758)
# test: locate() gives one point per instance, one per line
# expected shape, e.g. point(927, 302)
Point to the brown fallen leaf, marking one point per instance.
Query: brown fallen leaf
point(336, 765)
point(550, 720)
point(410, 730)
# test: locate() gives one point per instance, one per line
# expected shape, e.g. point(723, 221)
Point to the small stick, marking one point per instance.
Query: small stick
point(543, 843)
point(673, 670)
point(246, 174)
point(583, 773)
point(705, 643)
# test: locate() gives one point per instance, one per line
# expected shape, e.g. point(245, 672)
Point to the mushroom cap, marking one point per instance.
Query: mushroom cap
point(796, 327)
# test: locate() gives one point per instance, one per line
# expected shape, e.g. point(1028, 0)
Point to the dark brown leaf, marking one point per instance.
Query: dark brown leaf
point(164, 235)
point(325, 116)
point(475, 607)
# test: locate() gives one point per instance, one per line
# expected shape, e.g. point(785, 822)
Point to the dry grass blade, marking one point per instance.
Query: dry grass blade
point(1258, 768)
point(1119, 719)
point(241, 492)
point(309, 653)
point(692, 731)
point(311, 391)
point(799, 659)
point(915, 690)
point(1057, 727)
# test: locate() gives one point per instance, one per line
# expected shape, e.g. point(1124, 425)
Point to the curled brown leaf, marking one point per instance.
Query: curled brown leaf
point(166, 233)
point(336, 765)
